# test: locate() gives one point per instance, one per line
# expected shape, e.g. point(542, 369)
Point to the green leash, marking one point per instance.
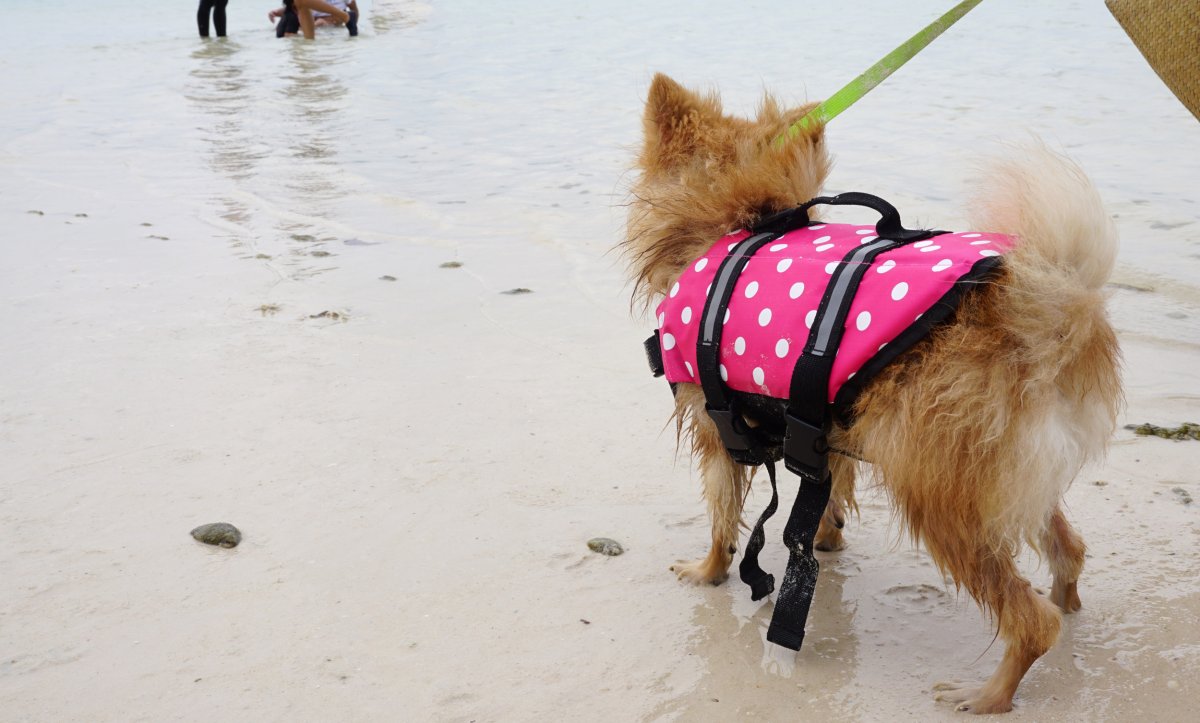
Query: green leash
point(878, 72)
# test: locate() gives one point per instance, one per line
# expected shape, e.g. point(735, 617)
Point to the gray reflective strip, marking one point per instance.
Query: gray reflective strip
point(723, 280)
point(841, 281)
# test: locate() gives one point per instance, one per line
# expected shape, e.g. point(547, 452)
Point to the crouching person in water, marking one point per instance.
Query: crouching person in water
point(306, 15)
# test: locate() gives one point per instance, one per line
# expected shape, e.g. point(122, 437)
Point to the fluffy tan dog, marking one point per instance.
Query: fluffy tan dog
point(977, 431)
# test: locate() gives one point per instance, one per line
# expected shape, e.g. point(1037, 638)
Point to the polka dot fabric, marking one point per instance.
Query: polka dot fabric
point(776, 297)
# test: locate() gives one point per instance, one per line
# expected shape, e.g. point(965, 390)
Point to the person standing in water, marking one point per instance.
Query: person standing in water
point(217, 7)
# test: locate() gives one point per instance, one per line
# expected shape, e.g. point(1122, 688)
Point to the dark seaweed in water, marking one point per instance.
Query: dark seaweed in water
point(1187, 430)
point(218, 533)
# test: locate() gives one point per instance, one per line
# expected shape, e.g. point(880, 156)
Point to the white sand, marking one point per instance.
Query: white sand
point(416, 484)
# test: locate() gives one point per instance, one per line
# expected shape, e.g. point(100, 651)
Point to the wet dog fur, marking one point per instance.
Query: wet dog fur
point(977, 431)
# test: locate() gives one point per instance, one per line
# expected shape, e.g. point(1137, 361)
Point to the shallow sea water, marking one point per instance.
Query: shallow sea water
point(170, 176)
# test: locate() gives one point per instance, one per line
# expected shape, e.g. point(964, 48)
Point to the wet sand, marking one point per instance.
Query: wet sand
point(416, 478)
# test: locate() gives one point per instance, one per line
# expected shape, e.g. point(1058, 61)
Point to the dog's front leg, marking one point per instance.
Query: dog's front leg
point(724, 490)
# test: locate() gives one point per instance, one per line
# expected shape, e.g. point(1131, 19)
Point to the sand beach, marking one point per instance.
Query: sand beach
point(360, 298)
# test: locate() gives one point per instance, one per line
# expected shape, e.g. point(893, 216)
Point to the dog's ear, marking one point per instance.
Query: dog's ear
point(675, 123)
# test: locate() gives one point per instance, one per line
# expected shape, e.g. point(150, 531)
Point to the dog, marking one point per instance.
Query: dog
point(976, 431)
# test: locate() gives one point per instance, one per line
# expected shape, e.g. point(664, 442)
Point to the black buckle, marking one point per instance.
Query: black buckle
point(806, 449)
point(731, 427)
point(654, 355)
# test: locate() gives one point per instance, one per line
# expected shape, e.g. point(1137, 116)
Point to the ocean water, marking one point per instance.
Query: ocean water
point(445, 121)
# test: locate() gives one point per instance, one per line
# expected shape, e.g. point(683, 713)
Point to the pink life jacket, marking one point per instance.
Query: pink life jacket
point(775, 300)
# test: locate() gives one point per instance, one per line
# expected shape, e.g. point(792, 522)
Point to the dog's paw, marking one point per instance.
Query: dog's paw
point(1066, 596)
point(700, 572)
point(971, 700)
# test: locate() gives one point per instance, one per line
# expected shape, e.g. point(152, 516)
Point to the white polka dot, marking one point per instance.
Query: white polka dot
point(751, 289)
point(724, 373)
point(668, 342)
point(674, 289)
point(922, 244)
point(731, 246)
point(783, 265)
point(821, 240)
point(778, 247)
point(881, 346)
point(708, 290)
point(866, 240)
point(781, 348)
point(851, 376)
point(989, 252)
point(899, 291)
point(764, 317)
point(661, 318)
point(970, 235)
point(927, 249)
point(726, 319)
point(980, 243)
point(686, 315)
point(824, 247)
point(942, 265)
point(817, 228)
point(701, 264)
point(689, 368)
point(918, 317)
point(863, 321)
point(863, 231)
point(831, 267)
point(886, 266)
point(739, 346)
point(809, 318)
point(794, 292)
point(759, 376)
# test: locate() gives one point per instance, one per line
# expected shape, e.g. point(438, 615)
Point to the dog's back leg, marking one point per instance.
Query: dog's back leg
point(1065, 550)
point(1028, 623)
point(725, 484)
point(841, 500)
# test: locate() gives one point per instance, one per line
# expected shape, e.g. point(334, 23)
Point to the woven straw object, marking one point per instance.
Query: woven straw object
point(1168, 34)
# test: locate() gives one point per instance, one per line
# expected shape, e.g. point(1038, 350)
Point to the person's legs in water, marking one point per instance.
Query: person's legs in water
point(218, 16)
point(304, 10)
point(202, 17)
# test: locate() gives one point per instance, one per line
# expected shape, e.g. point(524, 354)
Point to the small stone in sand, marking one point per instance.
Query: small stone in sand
point(387, 277)
point(268, 309)
point(218, 533)
point(147, 223)
point(516, 291)
point(450, 265)
point(81, 215)
point(605, 546)
point(1184, 496)
point(264, 257)
point(35, 212)
point(320, 254)
point(303, 237)
point(160, 238)
point(335, 315)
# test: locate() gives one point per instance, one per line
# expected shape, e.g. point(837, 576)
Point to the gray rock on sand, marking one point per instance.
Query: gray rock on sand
point(605, 546)
point(218, 533)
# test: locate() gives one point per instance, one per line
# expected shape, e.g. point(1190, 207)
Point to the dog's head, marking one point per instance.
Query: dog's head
point(704, 174)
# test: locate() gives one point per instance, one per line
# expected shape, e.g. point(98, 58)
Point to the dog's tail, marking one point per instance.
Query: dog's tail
point(1046, 200)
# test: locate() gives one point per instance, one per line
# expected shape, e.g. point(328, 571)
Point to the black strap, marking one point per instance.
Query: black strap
point(761, 582)
point(739, 439)
point(800, 578)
